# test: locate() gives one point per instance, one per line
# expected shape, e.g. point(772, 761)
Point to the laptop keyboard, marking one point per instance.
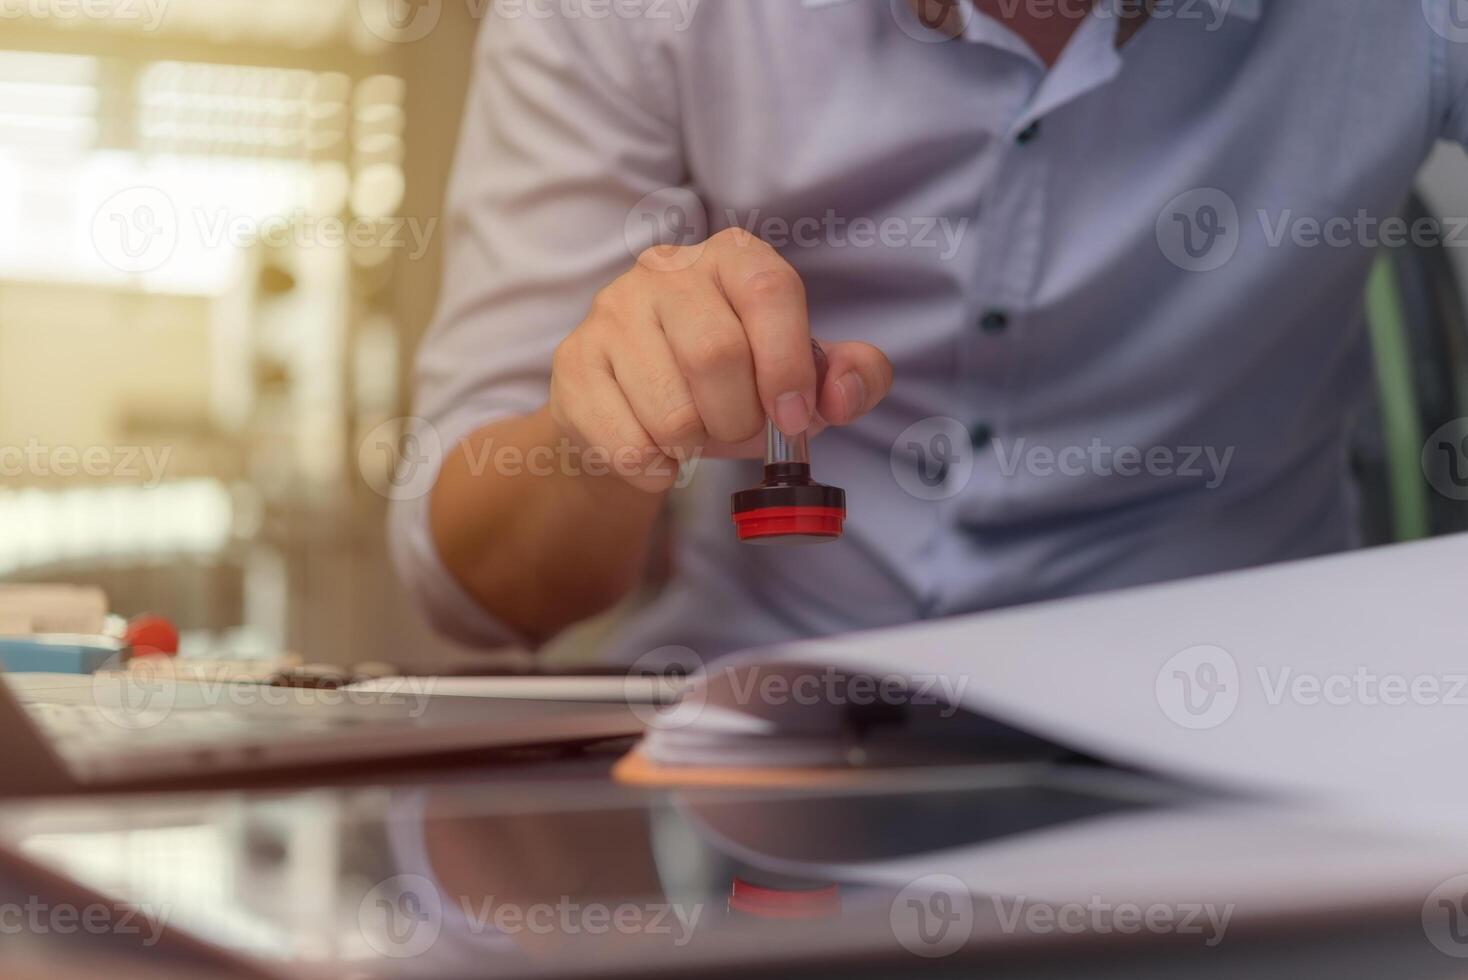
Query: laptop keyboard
point(70, 724)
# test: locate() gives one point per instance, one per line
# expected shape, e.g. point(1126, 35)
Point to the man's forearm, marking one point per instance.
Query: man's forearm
point(539, 546)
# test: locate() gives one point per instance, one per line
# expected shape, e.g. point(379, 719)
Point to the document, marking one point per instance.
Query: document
point(1340, 680)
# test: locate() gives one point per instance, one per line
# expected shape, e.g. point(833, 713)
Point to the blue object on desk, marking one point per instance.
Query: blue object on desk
point(58, 654)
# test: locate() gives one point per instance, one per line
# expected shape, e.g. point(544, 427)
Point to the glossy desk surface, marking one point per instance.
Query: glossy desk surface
point(551, 869)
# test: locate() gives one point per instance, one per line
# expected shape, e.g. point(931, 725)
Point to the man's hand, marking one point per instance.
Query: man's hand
point(690, 352)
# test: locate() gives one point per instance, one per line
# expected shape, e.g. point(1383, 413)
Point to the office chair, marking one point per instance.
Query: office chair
point(1418, 322)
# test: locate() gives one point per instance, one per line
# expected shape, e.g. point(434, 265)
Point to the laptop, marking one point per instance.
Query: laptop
point(64, 733)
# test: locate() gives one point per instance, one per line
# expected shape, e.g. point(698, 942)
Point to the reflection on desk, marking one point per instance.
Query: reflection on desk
point(562, 872)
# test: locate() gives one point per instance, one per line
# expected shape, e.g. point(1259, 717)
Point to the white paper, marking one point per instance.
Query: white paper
point(1379, 723)
point(633, 689)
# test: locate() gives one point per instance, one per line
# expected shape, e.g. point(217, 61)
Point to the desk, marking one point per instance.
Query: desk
point(547, 869)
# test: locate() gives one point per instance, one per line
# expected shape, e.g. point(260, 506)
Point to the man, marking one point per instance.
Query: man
point(1059, 256)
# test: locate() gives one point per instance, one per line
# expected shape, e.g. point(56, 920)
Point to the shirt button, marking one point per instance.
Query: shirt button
point(1029, 133)
point(981, 435)
point(995, 321)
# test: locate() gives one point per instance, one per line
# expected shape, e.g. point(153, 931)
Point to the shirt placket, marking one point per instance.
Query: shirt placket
point(1015, 214)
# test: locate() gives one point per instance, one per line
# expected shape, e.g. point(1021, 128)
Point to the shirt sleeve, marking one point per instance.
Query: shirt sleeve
point(568, 134)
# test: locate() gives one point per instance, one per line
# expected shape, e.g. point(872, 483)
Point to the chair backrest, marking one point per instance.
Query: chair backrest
point(1418, 321)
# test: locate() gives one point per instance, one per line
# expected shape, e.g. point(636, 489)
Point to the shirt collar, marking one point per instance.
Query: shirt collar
point(1247, 9)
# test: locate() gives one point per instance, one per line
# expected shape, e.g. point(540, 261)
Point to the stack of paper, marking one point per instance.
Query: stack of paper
point(1342, 680)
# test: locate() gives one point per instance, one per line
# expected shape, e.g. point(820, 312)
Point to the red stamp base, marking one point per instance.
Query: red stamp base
point(780, 522)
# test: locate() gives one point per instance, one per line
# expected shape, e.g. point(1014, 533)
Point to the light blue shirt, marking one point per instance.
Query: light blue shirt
point(1122, 296)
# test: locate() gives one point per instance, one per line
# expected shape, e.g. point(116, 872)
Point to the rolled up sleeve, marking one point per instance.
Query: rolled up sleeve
point(568, 128)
